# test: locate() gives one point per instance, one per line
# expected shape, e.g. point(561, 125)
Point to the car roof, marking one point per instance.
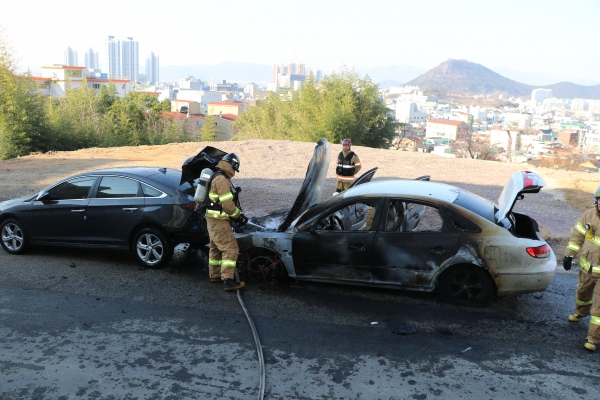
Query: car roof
point(166, 176)
point(405, 187)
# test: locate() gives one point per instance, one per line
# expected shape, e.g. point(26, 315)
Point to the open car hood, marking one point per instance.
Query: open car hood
point(312, 188)
point(208, 157)
point(518, 184)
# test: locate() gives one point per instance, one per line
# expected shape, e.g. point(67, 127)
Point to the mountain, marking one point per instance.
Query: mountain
point(230, 71)
point(465, 77)
point(397, 73)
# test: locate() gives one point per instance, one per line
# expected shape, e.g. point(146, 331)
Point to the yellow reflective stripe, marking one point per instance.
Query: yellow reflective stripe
point(217, 214)
point(595, 240)
point(573, 246)
point(584, 303)
point(586, 265)
point(235, 213)
point(225, 197)
point(345, 178)
point(579, 228)
point(213, 196)
point(595, 320)
point(228, 263)
point(214, 262)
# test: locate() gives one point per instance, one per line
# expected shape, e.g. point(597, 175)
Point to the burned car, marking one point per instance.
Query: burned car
point(145, 210)
point(405, 234)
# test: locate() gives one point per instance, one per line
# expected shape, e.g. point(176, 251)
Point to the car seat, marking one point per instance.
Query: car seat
point(395, 217)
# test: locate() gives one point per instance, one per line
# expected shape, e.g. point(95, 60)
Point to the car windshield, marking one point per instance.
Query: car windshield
point(476, 204)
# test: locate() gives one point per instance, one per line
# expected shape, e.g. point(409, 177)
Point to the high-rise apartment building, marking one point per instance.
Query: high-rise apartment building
point(152, 69)
point(130, 59)
point(113, 57)
point(91, 59)
point(71, 59)
point(541, 94)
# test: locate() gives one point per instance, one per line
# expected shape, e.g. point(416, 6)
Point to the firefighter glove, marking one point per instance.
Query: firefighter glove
point(242, 220)
point(567, 263)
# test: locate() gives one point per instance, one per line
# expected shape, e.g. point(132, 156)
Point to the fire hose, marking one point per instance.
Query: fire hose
point(259, 351)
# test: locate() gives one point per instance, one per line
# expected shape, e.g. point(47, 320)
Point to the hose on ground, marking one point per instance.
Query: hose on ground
point(259, 351)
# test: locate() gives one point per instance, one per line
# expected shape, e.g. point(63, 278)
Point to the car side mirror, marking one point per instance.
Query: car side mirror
point(46, 196)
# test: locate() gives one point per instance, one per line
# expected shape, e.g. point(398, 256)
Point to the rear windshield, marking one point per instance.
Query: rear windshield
point(476, 204)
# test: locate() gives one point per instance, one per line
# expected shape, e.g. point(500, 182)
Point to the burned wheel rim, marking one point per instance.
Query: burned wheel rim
point(150, 249)
point(13, 237)
point(466, 285)
point(266, 269)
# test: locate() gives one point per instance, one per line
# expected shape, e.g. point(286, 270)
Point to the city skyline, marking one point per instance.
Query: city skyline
point(531, 37)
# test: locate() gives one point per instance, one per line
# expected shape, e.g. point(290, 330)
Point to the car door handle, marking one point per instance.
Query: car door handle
point(77, 211)
point(437, 250)
point(130, 209)
point(358, 247)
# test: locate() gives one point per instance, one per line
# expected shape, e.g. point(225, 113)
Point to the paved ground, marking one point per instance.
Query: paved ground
point(80, 324)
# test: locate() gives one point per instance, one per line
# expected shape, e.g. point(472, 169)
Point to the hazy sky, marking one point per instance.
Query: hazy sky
point(556, 37)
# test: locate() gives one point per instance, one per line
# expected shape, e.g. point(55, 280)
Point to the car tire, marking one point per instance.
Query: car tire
point(13, 236)
point(465, 285)
point(151, 248)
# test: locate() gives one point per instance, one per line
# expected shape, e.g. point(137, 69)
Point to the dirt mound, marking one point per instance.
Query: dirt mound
point(271, 173)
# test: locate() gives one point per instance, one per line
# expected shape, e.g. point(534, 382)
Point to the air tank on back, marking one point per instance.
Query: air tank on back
point(203, 182)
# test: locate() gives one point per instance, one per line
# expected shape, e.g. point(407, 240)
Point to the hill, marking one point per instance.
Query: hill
point(465, 77)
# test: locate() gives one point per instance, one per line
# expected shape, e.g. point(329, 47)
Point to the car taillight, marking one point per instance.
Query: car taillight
point(542, 251)
point(189, 206)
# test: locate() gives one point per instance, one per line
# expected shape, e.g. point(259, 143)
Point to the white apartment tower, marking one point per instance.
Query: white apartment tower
point(540, 95)
point(113, 57)
point(71, 57)
point(152, 64)
point(130, 59)
point(91, 59)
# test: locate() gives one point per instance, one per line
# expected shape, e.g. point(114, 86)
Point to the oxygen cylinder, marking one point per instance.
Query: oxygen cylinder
point(203, 182)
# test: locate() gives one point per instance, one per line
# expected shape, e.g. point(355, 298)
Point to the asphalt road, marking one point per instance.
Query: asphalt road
point(81, 324)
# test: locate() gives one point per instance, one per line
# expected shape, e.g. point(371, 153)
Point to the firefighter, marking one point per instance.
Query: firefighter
point(221, 211)
point(348, 165)
point(585, 240)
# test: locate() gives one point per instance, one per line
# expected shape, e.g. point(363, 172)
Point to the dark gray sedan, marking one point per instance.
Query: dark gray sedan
point(145, 210)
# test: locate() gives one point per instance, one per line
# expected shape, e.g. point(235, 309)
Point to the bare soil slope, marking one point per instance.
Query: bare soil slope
point(271, 173)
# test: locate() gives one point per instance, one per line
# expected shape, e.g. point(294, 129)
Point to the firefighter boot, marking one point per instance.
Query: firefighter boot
point(575, 318)
point(590, 346)
point(232, 284)
point(216, 279)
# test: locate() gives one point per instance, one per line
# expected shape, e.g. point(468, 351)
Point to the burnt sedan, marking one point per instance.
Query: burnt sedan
point(405, 234)
point(145, 210)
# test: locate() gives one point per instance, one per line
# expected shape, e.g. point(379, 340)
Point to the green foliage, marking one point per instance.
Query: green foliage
point(343, 105)
point(208, 130)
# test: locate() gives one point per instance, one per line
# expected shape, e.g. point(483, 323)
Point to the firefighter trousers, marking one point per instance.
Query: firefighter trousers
point(223, 250)
point(588, 290)
point(343, 185)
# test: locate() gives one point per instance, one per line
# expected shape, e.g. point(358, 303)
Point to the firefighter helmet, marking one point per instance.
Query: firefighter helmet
point(232, 159)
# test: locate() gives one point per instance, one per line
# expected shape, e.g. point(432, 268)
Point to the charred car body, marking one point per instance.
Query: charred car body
point(405, 234)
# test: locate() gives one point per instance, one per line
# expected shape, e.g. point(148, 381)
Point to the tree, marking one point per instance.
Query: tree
point(342, 105)
point(208, 131)
point(23, 128)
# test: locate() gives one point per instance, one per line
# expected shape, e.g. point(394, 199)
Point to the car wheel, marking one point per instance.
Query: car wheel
point(14, 237)
point(263, 266)
point(151, 248)
point(466, 285)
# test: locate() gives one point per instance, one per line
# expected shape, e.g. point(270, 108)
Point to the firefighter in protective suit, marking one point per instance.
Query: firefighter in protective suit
point(348, 165)
point(221, 211)
point(585, 240)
